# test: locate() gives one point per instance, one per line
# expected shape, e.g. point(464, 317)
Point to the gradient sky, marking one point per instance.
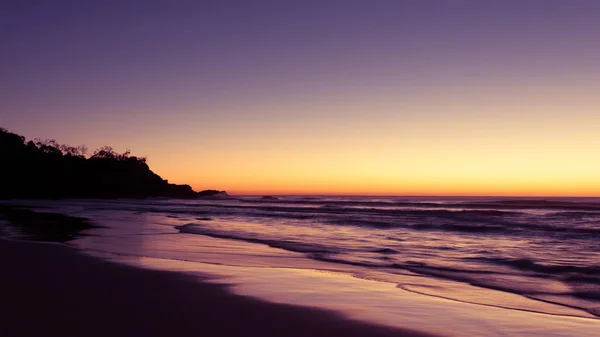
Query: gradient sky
point(327, 97)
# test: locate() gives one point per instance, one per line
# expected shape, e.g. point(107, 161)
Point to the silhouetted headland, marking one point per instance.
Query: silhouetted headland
point(45, 169)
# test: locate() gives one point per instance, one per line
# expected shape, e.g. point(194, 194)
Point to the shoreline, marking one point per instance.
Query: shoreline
point(58, 290)
point(203, 266)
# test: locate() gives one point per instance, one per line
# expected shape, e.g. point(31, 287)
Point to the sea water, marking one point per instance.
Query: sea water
point(515, 255)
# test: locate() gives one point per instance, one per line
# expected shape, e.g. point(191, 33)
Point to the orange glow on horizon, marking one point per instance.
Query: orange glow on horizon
point(497, 140)
point(450, 191)
point(395, 99)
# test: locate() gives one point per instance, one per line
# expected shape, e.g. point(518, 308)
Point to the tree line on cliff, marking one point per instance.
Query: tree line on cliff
point(44, 169)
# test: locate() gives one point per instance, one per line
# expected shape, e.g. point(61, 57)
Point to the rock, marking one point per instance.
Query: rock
point(269, 197)
point(212, 193)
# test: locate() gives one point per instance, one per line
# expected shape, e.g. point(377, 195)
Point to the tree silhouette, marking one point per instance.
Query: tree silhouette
point(48, 169)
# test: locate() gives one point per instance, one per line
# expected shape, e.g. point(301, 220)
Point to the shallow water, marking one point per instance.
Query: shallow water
point(486, 258)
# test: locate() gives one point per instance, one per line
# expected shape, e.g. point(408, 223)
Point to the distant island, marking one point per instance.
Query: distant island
point(45, 169)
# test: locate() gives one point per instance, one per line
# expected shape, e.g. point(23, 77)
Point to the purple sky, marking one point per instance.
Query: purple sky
point(141, 74)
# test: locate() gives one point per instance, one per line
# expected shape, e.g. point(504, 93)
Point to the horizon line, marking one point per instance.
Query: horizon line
point(407, 195)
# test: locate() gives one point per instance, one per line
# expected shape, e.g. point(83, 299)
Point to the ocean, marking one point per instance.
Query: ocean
point(524, 255)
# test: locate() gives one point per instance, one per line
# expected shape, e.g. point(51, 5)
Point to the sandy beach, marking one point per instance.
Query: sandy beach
point(54, 290)
point(131, 270)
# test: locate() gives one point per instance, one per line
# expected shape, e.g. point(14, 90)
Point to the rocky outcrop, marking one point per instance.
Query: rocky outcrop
point(269, 197)
point(212, 194)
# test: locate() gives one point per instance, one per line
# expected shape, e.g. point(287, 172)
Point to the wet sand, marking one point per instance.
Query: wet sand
point(54, 290)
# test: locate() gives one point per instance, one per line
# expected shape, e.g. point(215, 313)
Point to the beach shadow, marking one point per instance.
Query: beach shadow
point(42, 226)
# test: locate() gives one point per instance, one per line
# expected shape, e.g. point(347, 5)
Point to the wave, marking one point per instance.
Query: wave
point(466, 228)
point(470, 215)
point(493, 205)
point(364, 223)
point(542, 203)
point(480, 278)
point(572, 275)
point(487, 279)
point(576, 214)
point(469, 221)
point(290, 245)
point(449, 203)
point(386, 251)
point(316, 251)
point(422, 222)
point(303, 247)
point(482, 221)
point(530, 265)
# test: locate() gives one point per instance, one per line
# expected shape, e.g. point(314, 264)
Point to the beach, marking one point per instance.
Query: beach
point(53, 290)
point(295, 267)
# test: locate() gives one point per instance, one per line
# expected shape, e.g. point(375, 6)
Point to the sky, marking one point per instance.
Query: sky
point(422, 97)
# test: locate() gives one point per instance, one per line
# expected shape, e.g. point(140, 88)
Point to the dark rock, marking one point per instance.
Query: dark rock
point(179, 191)
point(268, 197)
point(212, 193)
